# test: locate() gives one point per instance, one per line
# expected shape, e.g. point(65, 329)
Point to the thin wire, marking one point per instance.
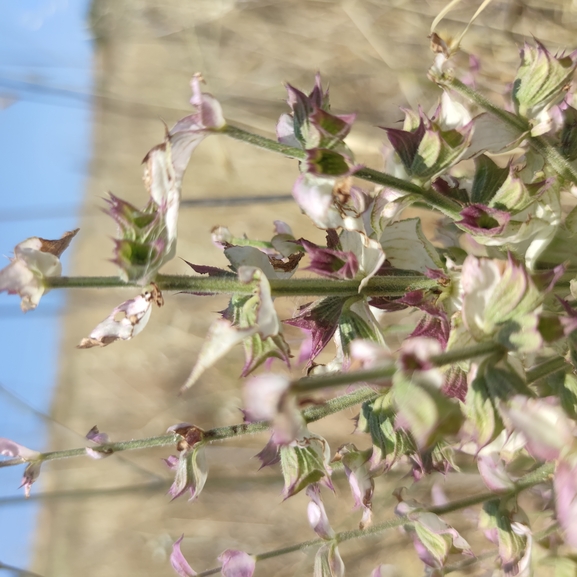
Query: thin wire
point(47, 212)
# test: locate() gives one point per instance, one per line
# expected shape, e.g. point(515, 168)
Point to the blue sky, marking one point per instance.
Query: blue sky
point(45, 53)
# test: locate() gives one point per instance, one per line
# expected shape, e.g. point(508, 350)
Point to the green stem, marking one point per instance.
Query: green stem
point(540, 475)
point(428, 195)
point(307, 384)
point(377, 286)
point(216, 434)
point(545, 369)
point(512, 120)
point(539, 144)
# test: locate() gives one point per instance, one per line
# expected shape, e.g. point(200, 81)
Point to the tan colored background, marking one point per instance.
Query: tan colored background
point(115, 518)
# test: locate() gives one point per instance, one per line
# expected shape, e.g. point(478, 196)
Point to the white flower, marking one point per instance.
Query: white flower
point(125, 321)
point(34, 259)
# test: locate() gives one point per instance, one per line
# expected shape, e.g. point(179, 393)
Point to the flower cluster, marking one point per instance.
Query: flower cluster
point(479, 369)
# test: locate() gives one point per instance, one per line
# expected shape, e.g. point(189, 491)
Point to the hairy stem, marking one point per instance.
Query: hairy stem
point(307, 384)
point(427, 195)
point(216, 434)
point(377, 286)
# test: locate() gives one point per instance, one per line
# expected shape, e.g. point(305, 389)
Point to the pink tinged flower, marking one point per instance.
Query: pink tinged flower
point(492, 471)
point(191, 473)
point(368, 252)
point(34, 259)
point(370, 354)
point(98, 438)
point(328, 562)
point(565, 485)
point(268, 398)
point(148, 236)
point(357, 466)
point(543, 422)
point(125, 321)
point(415, 354)
point(178, 562)
point(11, 449)
point(317, 515)
point(237, 563)
point(316, 196)
point(191, 130)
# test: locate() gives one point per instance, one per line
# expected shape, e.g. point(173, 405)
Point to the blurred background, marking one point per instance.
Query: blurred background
point(85, 87)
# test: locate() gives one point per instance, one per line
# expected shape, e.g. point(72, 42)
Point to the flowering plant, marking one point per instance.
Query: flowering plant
point(484, 378)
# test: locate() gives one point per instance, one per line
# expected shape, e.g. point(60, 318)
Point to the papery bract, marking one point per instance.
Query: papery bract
point(34, 259)
point(178, 562)
point(305, 461)
point(505, 524)
point(406, 247)
point(437, 539)
point(321, 320)
point(542, 79)
point(499, 296)
point(236, 563)
point(317, 515)
point(248, 317)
